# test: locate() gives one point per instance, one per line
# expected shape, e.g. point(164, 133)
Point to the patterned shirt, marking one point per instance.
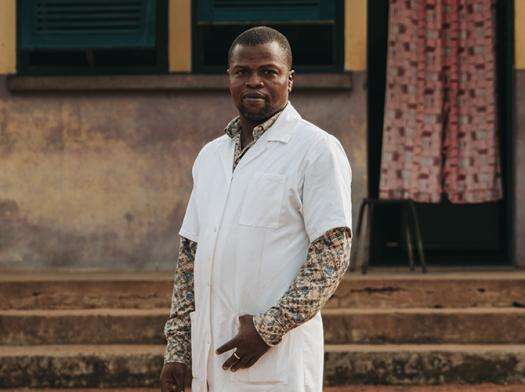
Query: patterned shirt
point(233, 130)
point(326, 262)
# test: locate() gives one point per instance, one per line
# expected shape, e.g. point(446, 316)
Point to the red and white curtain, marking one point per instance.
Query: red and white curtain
point(440, 128)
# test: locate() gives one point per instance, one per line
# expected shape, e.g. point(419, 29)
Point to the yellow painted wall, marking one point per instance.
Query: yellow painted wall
point(355, 35)
point(180, 35)
point(520, 34)
point(7, 36)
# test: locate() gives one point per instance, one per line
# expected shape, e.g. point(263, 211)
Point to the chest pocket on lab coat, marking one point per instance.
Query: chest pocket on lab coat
point(262, 203)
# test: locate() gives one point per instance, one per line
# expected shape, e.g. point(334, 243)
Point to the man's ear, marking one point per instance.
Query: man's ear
point(290, 80)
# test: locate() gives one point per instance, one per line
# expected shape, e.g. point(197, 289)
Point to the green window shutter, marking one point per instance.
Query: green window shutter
point(87, 24)
point(313, 27)
point(265, 11)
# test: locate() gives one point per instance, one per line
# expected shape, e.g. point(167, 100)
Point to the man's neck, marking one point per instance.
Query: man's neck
point(247, 130)
point(247, 127)
point(246, 136)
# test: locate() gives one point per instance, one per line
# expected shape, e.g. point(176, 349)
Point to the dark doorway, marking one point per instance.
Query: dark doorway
point(462, 235)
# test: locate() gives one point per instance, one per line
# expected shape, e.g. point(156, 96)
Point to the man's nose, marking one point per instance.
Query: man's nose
point(254, 80)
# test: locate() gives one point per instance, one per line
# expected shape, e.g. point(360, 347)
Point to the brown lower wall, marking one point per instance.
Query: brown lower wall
point(101, 180)
point(519, 170)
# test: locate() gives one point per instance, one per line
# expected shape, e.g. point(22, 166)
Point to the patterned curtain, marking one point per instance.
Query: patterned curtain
point(440, 128)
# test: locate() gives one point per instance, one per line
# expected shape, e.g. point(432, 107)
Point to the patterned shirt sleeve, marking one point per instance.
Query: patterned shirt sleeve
point(178, 326)
point(327, 260)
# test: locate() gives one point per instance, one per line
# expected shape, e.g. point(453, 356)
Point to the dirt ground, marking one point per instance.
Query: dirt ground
point(444, 388)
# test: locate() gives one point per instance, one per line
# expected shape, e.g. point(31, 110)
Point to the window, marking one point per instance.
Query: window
point(313, 27)
point(92, 36)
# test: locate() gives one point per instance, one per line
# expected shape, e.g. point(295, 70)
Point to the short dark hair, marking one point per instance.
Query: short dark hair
point(261, 35)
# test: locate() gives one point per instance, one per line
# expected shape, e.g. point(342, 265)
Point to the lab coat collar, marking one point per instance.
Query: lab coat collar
point(283, 128)
point(281, 131)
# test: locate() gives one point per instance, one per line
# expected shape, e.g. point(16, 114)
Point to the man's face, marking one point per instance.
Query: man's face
point(260, 80)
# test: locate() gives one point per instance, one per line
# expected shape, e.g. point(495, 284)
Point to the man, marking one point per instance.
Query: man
point(265, 239)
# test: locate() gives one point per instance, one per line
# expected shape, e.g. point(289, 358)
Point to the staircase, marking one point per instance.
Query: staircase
point(104, 330)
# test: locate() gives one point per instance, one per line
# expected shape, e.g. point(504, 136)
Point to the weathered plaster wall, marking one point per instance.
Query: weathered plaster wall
point(101, 180)
point(519, 170)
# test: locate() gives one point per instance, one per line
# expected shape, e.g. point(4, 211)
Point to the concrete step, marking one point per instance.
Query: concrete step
point(424, 364)
point(424, 325)
point(85, 290)
point(82, 326)
point(74, 366)
point(342, 326)
point(128, 366)
point(374, 290)
point(436, 289)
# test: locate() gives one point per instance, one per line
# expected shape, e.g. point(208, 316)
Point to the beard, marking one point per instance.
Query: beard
point(256, 115)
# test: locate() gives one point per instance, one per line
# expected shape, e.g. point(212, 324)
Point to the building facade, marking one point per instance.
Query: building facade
point(96, 147)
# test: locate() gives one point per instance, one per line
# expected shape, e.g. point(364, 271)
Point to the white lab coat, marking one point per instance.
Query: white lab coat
point(253, 229)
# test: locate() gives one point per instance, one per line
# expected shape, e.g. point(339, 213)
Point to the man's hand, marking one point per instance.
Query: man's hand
point(248, 344)
point(173, 377)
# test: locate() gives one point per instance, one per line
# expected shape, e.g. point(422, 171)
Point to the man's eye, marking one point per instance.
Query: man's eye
point(269, 72)
point(240, 72)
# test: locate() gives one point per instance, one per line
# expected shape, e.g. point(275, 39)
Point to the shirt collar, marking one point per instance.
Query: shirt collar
point(234, 127)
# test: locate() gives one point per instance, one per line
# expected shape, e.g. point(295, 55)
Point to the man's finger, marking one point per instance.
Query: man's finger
point(230, 362)
point(181, 382)
point(229, 345)
point(176, 380)
point(188, 378)
point(177, 384)
point(165, 386)
point(241, 363)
